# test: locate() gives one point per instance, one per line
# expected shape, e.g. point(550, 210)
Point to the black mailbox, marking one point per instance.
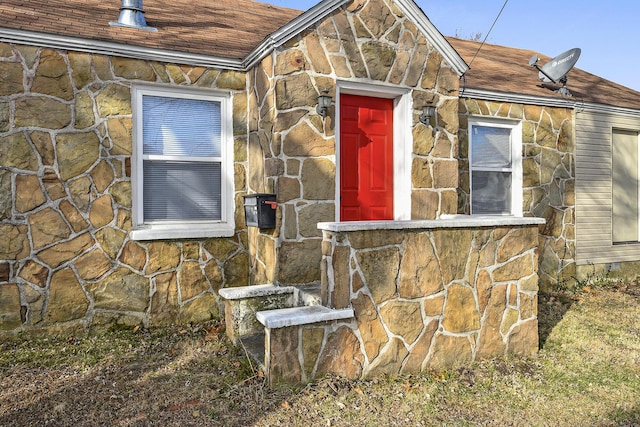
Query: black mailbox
point(260, 210)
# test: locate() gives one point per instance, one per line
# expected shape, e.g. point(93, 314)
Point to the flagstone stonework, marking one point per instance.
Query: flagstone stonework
point(423, 298)
point(548, 181)
point(292, 150)
point(66, 260)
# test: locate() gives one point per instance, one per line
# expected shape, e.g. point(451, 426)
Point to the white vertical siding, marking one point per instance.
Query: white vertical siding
point(594, 188)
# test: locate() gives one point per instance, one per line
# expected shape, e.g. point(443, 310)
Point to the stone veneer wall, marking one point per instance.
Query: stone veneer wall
point(548, 164)
point(292, 150)
point(423, 299)
point(66, 259)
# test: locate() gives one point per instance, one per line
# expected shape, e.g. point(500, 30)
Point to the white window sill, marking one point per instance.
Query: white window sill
point(183, 231)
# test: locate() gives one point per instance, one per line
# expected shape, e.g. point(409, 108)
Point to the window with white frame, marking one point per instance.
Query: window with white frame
point(182, 163)
point(495, 167)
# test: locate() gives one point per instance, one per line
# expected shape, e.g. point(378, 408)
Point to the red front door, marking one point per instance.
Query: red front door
point(366, 158)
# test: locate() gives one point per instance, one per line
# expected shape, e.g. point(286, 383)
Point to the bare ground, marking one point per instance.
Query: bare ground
point(587, 372)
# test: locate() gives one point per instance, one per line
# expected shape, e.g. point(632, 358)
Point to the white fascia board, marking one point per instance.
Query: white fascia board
point(570, 102)
point(291, 29)
point(54, 41)
point(517, 98)
point(600, 108)
point(417, 15)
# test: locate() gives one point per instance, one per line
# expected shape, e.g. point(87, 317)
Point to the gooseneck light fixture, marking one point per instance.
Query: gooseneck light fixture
point(324, 102)
point(428, 111)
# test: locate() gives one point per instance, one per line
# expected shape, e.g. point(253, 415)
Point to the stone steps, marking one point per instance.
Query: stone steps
point(242, 303)
point(255, 315)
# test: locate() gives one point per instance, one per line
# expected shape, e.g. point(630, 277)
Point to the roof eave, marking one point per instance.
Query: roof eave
point(517, 98)
point(53, 41)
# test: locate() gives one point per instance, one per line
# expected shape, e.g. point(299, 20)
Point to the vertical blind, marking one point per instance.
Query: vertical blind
point(182, 181)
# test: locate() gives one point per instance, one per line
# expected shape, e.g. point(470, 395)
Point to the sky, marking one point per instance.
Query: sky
point(606, 31)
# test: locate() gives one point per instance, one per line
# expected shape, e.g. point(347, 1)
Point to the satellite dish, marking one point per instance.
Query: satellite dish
point(534, 60)
point(558, 67)
point(556, 70)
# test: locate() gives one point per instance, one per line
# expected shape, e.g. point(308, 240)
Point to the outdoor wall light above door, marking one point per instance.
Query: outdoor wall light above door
point(324, 102)
point(428, 111)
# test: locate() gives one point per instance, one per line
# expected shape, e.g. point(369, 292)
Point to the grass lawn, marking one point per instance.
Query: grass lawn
point(587, 373)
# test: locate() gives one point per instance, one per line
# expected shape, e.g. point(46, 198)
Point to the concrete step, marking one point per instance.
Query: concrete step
point(297, 316)
point(241, 304)
point(254, 291)
point(289, 356)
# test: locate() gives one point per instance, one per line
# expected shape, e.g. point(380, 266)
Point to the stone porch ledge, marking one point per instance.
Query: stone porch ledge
point(445, 221)
point(426, 294)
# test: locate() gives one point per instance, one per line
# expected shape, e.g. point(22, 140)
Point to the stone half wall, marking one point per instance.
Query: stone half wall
point(424, 298)
point(548, 164)
point(292, 151)
point(66, 259)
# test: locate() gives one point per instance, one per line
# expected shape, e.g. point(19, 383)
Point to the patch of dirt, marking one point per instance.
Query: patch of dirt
point(632, 289)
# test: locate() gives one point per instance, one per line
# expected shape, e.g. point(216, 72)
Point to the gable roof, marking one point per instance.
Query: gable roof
point(225, 29)
point(504, 72)
point(221, 33)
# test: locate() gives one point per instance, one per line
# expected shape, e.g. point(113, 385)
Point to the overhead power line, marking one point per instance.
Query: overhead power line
point(488, 32)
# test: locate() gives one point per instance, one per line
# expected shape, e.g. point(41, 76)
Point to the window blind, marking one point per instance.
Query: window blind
point(491, 147)
point(181, 127)
point(182, 191)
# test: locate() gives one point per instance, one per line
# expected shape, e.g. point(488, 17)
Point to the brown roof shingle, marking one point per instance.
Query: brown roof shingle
point(220, 28)
point(231, 29)
point(506, 69)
